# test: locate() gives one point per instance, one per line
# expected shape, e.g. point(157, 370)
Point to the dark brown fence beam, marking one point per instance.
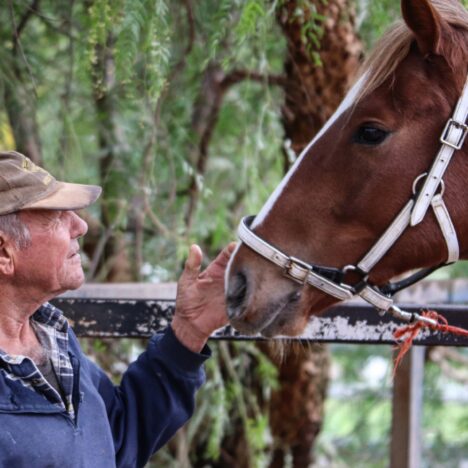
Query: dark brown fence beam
point(347, 323)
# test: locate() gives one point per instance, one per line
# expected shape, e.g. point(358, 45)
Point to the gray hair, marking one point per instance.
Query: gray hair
point(12, 226)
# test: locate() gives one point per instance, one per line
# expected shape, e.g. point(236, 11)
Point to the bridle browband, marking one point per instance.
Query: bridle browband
point(332, 281)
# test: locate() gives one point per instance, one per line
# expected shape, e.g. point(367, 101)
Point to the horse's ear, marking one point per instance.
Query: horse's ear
point(425, 22)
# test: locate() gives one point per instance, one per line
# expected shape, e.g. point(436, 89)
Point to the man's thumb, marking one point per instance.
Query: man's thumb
point(193, 263)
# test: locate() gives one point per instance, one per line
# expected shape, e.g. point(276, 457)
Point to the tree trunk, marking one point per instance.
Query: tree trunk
point(21, 111)
point(18, 89)
point(205, 115)
point(314, 90)
point(296, 408)
point(316, 81)
point(115, 262)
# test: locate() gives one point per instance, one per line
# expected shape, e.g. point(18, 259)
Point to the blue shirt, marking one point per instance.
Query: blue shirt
point(104, 425)
point(51, 328)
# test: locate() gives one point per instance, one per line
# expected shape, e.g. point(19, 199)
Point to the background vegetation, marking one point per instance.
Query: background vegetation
point(177, 109)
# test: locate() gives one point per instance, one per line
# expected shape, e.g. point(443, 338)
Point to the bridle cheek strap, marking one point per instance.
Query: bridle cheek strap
point(324, 279)
point(384, 302)
point(388, 238)
point(447, 228)
point(452, 140)
point(375, 297)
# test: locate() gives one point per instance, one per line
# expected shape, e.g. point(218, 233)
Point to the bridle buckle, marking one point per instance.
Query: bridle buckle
point(458, 125)
point(297, 270)
point(357, 286)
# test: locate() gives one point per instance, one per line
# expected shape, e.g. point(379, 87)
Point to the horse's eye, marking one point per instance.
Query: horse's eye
point(371, 136)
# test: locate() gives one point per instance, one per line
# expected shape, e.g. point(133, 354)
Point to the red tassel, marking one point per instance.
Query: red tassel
point(410, 332)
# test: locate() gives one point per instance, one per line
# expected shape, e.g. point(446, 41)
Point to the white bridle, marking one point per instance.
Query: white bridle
point(330, 280)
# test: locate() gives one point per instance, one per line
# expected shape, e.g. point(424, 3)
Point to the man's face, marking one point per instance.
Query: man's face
point(51, 263)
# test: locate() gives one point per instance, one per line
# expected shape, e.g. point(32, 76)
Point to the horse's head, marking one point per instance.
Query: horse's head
point(357, 174)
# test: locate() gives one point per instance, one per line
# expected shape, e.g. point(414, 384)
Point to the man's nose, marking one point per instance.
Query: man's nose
point(79, 226)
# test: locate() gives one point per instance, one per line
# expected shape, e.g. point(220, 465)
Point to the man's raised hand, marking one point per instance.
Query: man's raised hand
point(200, 304)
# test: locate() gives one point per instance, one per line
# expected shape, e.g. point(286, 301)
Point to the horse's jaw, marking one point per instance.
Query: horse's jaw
point(279, 306)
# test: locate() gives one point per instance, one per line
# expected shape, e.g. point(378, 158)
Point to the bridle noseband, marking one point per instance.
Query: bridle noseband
point(332, 280)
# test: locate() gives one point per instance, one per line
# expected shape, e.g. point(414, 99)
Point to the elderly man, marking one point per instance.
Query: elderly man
point(57, 408)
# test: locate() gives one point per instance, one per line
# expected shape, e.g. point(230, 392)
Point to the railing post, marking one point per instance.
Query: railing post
point(405, 450)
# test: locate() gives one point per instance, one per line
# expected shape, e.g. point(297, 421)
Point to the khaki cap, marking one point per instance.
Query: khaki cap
point(23, 185)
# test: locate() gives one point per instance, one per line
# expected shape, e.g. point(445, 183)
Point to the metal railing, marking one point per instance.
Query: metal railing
point(139, 310)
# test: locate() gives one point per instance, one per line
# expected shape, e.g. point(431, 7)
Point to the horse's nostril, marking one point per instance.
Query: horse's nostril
point(236, 295)
point(295, 296)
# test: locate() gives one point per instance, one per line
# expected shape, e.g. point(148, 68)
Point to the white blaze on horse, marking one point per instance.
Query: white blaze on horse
point(379, 192)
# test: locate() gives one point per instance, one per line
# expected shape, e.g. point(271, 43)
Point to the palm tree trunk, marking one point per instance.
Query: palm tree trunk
point(317, 77)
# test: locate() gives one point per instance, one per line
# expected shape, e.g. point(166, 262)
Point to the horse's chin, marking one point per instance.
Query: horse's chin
point(291, 328)
point(284, 318)
point(278, 326)
point(272, 319)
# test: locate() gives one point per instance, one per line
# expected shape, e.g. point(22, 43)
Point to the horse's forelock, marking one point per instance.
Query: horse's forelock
point(394, 46)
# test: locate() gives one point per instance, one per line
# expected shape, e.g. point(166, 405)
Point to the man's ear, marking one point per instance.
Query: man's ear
point(425, 22)
point(6, 255)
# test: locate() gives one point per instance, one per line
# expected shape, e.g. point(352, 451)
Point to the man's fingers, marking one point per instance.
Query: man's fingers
point(218, 265)
point(223, 258)
point(231, 247)
point(194, 260)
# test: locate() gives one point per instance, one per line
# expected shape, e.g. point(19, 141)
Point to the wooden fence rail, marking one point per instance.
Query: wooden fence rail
point(348, 323)
point(139, 310)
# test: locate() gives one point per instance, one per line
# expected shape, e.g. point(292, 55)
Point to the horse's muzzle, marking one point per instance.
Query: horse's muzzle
point(236, 296)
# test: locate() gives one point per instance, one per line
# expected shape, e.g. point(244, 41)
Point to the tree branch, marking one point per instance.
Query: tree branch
point(25, 18)
point(148, 150)
point(215, 85)
point(154, 219)
point(236, 76)
point(443, 356)
point(19, 99)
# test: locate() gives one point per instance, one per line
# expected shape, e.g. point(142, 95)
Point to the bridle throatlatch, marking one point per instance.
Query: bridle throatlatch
point(332, 280)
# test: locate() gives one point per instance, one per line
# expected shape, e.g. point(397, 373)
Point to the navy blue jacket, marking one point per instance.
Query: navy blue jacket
point(114, 425)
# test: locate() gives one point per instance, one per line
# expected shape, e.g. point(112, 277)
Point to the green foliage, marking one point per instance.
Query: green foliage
point(102, 17)
point(156, 94)
point(458, 270)
point(129, 40)
point(218, 22)
point(155, 87)
point(375, 17)
point(219, 416)
point(312, 32)
point(358, 409)
point(257, 431)
point(157, 44)
point(358, 412)
point(445, 418)
point(310, 22)
point(252, 12)
point(142, 48)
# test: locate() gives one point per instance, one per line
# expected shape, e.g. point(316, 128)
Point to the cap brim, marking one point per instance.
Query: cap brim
point(67, 197)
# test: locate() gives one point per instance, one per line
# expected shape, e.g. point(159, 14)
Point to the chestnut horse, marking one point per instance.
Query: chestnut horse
point(380, 191)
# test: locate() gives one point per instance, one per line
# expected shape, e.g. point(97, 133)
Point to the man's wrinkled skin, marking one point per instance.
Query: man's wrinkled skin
point(48, 266)
point(200, 304)
point(51, 265)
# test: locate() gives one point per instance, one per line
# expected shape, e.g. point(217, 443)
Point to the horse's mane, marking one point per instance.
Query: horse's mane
point(395, 44)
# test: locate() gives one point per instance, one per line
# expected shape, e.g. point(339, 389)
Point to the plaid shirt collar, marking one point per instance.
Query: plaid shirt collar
point(51, 328)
